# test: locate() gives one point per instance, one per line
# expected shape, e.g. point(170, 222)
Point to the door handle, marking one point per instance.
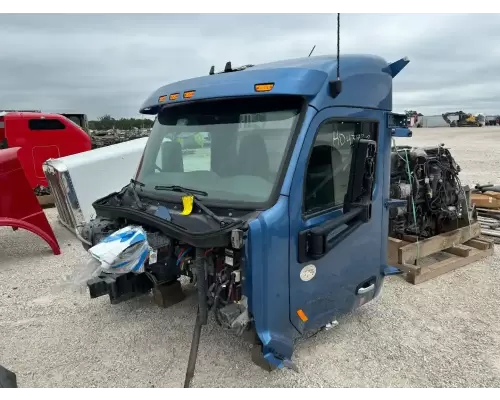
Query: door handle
point(364, 290)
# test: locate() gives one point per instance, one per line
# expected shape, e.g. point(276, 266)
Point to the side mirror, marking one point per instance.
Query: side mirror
point(362, 176)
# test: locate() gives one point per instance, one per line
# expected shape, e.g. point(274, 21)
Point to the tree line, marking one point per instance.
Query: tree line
point(410, 113)
point(107, 122)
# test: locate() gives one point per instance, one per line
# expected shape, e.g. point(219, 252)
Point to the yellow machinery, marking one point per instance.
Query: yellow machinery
point(464, 119)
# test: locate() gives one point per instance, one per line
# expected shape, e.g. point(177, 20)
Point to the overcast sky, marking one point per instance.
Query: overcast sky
point(108, 64)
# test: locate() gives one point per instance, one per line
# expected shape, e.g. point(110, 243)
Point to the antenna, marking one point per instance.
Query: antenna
point(311, 51)
point(336, 86)
point(338, 46)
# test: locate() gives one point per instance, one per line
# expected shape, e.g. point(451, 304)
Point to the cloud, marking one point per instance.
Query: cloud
point(108, 64)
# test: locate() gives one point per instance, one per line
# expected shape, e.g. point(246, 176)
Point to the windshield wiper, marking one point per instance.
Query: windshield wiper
point(196, 200)
point(176, 188)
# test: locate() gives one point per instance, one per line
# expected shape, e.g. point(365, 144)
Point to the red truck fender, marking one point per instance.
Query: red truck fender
point(19, 207)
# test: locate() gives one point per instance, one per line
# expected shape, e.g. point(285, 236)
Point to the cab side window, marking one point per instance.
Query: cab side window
point(45, 125)
point(328, 169)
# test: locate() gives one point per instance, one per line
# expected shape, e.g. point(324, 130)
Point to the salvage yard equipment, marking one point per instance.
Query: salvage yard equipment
point(492, 120)
point(464, 119)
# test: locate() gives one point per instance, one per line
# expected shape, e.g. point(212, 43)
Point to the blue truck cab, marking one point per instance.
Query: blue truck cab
point(285, 177)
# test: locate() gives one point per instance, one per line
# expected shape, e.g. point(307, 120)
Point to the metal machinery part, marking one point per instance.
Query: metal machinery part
point(216, 272)
point(427, 177)
point(464, 119)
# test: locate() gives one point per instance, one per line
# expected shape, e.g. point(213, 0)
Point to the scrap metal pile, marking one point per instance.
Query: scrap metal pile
point(114, 136)
point(426, 178)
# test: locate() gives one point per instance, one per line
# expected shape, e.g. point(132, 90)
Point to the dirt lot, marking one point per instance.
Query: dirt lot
point(445, 332)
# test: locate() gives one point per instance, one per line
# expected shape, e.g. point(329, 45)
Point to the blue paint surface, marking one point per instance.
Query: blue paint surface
point(361, 74)
point(273, 283)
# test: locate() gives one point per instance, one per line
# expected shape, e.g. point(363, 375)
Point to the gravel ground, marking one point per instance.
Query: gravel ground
point(442, 333)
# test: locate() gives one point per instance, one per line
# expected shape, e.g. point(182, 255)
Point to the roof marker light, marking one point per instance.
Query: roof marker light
point(174, 96)
point(188, 94)
point(264, 87)
point(162, 99)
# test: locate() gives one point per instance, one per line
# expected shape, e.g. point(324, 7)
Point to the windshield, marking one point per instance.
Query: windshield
point(231, 149)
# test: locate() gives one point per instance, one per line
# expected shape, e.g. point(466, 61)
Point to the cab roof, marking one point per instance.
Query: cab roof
point(366, 81)
point(29, 114)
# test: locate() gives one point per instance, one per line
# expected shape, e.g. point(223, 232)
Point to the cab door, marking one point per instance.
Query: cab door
point(350, 274)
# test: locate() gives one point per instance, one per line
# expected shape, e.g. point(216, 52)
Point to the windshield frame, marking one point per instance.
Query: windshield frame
point(172, 196)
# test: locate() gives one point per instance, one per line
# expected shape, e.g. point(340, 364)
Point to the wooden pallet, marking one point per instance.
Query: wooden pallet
point(426, 259)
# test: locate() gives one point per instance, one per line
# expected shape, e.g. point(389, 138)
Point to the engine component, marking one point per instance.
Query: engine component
point(119, 288)
point(167, 294)
point(428, 179)
point(98, 229)
point(235, 316)
point(216, 272)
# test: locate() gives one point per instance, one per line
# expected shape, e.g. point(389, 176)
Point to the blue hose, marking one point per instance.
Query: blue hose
point(179, 259)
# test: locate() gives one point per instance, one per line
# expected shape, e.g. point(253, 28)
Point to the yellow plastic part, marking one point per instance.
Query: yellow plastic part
point(187, 204)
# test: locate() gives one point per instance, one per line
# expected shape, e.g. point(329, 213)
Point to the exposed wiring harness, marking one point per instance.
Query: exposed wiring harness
point(437, 199)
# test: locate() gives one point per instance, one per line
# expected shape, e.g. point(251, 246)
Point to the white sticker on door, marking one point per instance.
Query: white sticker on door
point(308, 272)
